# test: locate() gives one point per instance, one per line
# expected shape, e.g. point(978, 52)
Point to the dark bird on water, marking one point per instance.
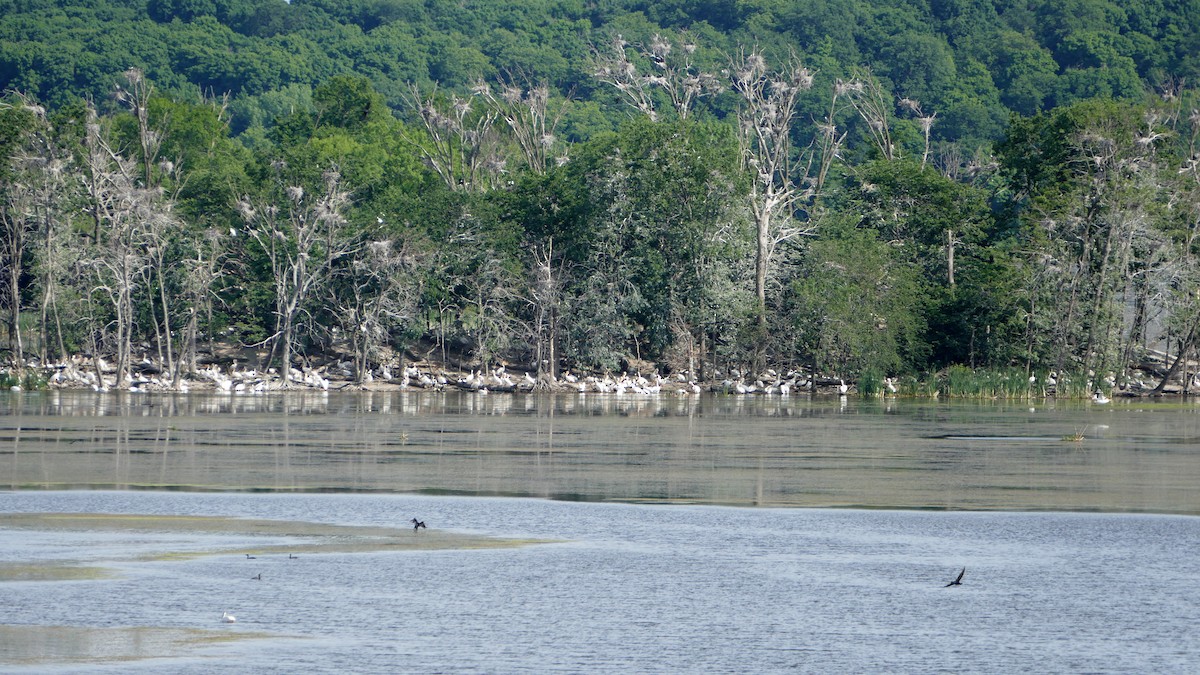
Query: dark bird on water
point(249, 557)
point(418, 524)
point(292, 556)
point(256, 577)
point(957, 581)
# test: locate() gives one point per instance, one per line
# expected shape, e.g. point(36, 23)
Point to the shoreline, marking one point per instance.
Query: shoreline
point(223, 375)
point(391, 539)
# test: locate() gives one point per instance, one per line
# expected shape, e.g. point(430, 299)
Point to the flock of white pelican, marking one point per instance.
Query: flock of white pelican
point(81, 373)
point(146, 375)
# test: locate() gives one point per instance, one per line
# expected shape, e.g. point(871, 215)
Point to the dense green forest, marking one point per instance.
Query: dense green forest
point(855, 189)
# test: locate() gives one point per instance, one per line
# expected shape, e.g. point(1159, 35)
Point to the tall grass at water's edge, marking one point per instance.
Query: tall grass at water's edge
point(982, 384)
point(32, 381)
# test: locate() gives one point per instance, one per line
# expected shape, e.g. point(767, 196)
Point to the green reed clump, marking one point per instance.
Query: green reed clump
point(870, 383)
point(35, 381)
point(984, 383)
point(1073, 385)
point(997, 383)
point(32, 381)
point(1014, 383)
point(915, 387)
point(960, 382)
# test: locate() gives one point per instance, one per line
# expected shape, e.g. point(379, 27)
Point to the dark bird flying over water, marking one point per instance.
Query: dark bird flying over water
point(418, 524)
point(958, 581)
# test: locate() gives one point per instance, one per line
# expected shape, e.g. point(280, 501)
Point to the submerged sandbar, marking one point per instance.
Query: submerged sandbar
point(310, 538)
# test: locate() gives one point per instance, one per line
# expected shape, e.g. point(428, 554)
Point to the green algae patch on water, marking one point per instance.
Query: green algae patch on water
point(33, 646)
point(311, 537)
point(52, 572)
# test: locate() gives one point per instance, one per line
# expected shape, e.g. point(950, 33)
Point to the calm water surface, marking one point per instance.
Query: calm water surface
point(1135, 456)
point(685, 586)
point(640, 588)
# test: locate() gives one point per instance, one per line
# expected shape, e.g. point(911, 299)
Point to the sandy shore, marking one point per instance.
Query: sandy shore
point(312, 538)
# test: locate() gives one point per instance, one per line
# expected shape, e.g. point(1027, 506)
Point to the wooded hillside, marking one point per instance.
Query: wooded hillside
point(848, 189)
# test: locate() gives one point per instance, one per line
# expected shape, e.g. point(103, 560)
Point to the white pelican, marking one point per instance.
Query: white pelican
point(228, 618)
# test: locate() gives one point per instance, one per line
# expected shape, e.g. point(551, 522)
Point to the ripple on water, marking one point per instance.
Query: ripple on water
point(636, 588)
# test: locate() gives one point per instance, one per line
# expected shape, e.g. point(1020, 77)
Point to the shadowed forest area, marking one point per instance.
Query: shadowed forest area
point(971, 197)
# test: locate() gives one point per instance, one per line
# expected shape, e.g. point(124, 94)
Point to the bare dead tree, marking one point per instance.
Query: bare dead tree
point(547, 300)
point(671, 68)
point(926, 122)
point(158, 232)
point(34, 205)
point(525, 108)
point(873, 105)
point(18, 219)
point(1111, 217)
point(379, 288)
point(125, 211)
point(14, 231)
point(56, 254)
point(1099, 237)
point(1181, 283)
point(459, 142)
point(302, 236)
point(136, 97)
point(829, 138)
point(202, 270)
point(615, 67)
point(765, 120)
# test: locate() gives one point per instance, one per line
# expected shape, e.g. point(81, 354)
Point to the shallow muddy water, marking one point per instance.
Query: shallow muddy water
point(673, 580)
point(631, 588)
point(1134, 456)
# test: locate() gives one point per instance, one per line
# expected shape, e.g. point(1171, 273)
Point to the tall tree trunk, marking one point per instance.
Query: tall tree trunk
point(761, 260)
point(14, 299)
point(1185, 348)
point(166, 309)
point(950, 241)
point(285, 343)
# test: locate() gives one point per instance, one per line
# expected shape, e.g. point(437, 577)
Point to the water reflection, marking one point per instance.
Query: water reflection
point(797, 451)
point(69, 403)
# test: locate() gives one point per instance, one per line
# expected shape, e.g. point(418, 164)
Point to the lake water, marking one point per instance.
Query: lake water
point(1080, 556)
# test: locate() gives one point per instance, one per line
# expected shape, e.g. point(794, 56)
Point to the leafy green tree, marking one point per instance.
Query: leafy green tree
point(938, 226)
point(641, 222)
point(856, 304)
point(348, 102)
point(184, 10)
point(1024, 72)
point(455, 62)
